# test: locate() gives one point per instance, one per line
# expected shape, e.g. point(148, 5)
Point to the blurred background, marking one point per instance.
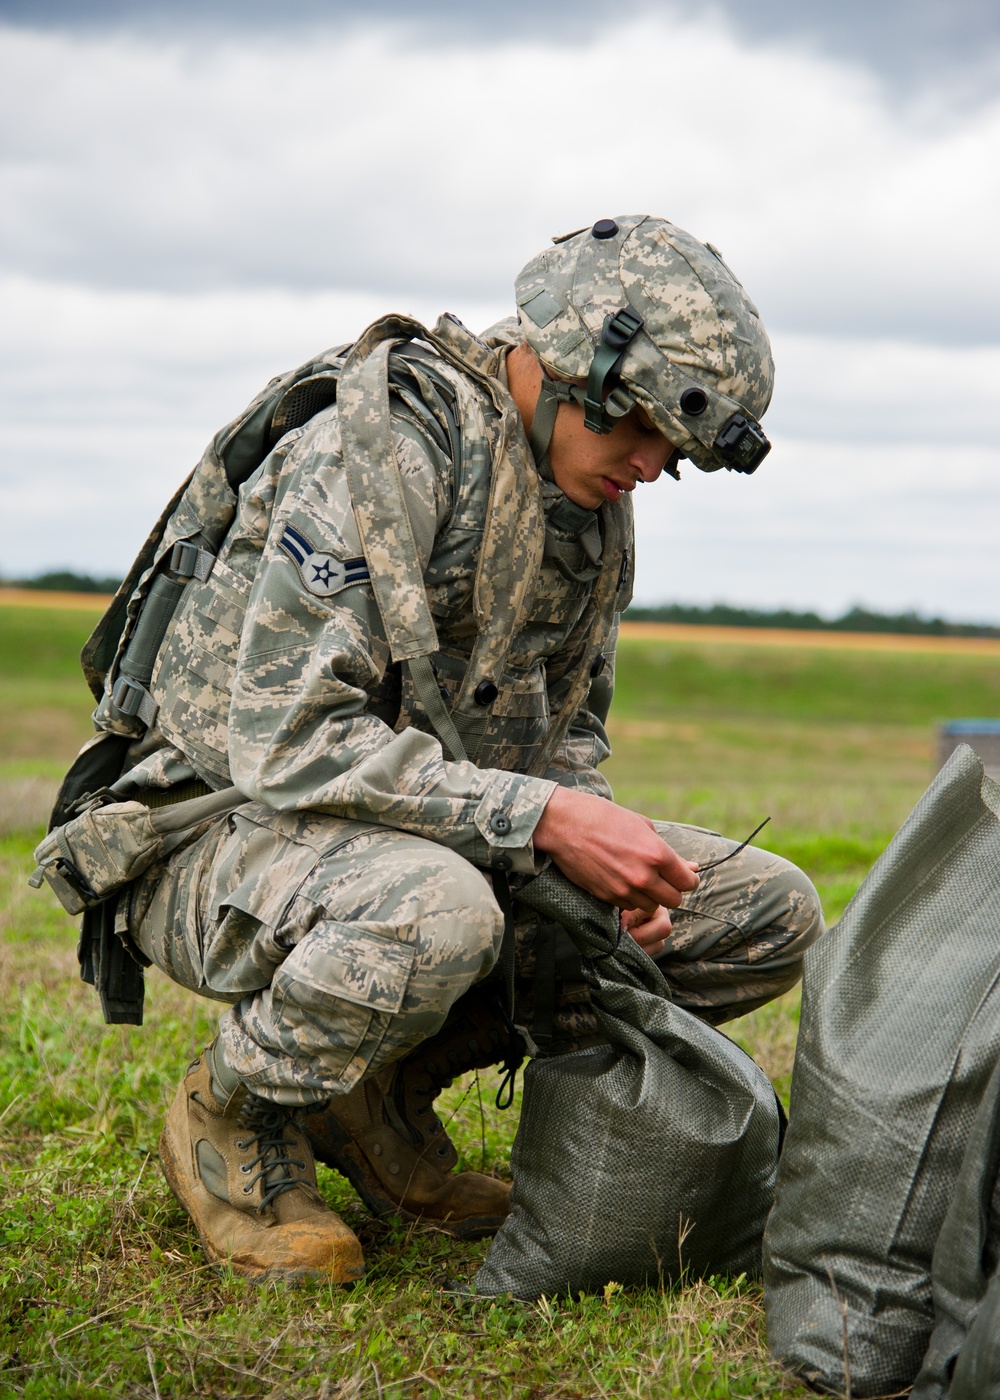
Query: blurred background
point(195, 196)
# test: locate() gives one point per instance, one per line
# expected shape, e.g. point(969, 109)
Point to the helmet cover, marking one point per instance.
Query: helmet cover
point(701, 363)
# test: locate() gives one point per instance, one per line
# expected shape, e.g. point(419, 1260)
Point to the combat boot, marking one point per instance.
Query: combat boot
point(385, 1137)
point(244, 1172)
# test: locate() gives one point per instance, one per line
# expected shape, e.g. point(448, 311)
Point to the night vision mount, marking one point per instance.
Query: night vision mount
point(742, 444)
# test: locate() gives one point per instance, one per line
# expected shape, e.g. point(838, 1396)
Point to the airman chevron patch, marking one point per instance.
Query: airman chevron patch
point(321, 573)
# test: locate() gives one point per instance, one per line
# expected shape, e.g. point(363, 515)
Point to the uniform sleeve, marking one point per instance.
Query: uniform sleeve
point(304, 732)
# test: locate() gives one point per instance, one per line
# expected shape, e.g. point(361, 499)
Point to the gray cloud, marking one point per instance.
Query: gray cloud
point(355, 163)
point(189, 204)
point(941, 44)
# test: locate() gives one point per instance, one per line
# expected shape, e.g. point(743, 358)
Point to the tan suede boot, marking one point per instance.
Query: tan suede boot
point(245, 1174)
point(385, 1137)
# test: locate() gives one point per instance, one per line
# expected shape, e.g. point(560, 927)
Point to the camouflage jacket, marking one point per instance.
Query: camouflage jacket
point(281, 671)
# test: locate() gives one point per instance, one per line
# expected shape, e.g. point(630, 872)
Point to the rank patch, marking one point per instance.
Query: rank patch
point(322, 574)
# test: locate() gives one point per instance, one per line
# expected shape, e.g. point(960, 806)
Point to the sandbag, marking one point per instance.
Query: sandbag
point(963, 1357)
point(640, 1160)
point(900, 1031)
point(977, 1371)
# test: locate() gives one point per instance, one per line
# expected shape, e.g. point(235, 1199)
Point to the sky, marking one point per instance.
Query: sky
point(195, 196)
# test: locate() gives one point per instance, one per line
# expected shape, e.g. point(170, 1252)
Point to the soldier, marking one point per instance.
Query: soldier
point(401, 657)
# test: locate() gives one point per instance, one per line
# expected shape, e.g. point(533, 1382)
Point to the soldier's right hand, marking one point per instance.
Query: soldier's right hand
point(612, 852)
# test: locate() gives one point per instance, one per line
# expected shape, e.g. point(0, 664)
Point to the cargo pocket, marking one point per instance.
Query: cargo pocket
point(336, 995)
point(256, 875)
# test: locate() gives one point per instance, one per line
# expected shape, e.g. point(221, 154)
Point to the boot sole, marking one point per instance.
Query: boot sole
point(219, 1261)
point(340, 1157)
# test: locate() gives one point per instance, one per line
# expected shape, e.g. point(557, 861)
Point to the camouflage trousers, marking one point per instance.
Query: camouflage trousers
point(341, 946)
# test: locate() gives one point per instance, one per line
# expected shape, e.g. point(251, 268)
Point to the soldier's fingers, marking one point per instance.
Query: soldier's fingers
point(651, 931)
point(678, 873)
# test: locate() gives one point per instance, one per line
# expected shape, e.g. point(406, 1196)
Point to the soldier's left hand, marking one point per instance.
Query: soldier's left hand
point(650, 931)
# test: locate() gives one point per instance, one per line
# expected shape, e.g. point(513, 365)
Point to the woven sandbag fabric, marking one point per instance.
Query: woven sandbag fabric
point(899, 1033)
point(977, 1371)
point(965, 1256)
point(639, 1160)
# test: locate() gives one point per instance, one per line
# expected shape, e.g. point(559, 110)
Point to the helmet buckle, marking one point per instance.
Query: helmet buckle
point(617, 334)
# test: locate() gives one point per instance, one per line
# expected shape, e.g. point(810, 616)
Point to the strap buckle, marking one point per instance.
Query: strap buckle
point(127, 695)
point(132, 699)
point(617, 334)
point(187, 560)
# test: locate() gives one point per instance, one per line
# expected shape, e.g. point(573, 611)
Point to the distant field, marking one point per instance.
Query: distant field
point(102, 1286)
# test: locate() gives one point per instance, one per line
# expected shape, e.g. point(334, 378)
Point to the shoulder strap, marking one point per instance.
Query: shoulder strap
point(377, 491)
point(513, 539)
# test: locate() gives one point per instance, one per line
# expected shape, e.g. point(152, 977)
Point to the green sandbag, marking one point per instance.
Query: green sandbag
point(977, 1372)
point(963, 1358)
point(899, 1034)
point(641, 1160)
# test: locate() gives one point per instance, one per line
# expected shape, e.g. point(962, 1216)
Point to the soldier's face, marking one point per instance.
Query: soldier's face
point(589, 467)
point(592, 468)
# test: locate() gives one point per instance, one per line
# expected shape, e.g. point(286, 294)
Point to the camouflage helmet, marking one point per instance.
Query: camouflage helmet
point(646, 314)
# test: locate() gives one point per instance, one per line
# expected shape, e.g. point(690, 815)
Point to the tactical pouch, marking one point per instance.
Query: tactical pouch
point(110, 844)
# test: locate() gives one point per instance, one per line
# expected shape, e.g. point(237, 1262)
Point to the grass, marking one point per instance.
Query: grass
point(103, 1290)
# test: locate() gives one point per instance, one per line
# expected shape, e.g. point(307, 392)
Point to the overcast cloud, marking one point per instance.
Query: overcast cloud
point(188, 209)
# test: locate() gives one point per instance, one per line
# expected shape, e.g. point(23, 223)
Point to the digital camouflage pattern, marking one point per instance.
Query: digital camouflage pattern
point(737, 941)
point(701, 330)
point(297, 698)
point(342, 945)
point(339, 910)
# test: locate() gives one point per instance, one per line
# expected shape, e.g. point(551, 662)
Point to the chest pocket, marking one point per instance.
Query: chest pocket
point(193, 680)
point(519, 722)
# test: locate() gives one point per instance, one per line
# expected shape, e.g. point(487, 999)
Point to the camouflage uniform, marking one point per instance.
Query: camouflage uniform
point(341, 910)
point(342, 945)
point(400, 573)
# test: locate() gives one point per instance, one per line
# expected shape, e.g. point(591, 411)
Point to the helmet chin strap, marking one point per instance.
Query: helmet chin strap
point(602, 409)
point(551, 393)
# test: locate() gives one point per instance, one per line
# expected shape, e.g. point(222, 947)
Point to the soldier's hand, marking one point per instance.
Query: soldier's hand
point(612, 852)
point(650, 931)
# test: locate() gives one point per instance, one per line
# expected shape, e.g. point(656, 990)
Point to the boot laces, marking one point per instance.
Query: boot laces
point(410, 1095)
point(266, 1122)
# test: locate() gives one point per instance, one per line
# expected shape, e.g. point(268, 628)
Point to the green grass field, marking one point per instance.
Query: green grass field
point(103, 1290)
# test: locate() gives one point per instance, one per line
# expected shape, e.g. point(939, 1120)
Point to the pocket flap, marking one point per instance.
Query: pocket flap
point(358, 963)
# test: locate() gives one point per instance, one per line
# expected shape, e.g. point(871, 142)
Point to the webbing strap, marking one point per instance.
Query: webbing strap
point(379, 504)
point(551, 393)
point(426, 686)
point(189, 560)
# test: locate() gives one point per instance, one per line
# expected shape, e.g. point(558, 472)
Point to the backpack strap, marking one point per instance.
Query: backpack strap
point(514, 533)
